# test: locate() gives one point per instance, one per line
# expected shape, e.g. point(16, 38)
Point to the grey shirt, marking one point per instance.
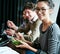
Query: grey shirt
point(48, 40)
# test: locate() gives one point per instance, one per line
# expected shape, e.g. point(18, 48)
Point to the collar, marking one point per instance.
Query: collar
point(34, 19)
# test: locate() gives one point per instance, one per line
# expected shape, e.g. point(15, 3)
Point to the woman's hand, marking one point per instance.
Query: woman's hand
point(23, 45)
point(26, 46)
point(10, 24)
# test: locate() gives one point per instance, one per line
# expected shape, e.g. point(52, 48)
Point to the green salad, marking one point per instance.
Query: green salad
point(15, 42)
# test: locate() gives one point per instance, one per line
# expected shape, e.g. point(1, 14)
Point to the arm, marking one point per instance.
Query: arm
point(32, 30)
point(19, 36)
point(35, 30)
point(52, 46)
point(53, 39)
point(26, 46)
point(23, 28)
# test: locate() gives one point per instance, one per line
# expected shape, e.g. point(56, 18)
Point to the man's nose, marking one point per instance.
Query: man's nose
point(27, 14)
point(40, 12)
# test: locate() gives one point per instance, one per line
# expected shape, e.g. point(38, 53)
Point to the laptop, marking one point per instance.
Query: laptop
point(4, 39)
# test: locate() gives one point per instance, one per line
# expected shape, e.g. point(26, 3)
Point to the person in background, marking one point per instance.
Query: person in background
point(48, 41)
point(30, 25)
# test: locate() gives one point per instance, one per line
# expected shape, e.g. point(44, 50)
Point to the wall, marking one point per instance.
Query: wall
point(56, 8)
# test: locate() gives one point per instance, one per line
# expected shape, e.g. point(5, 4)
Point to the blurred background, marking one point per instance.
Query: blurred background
point(12, 10)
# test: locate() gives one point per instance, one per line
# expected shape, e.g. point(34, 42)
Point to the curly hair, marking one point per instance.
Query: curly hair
point(29, 5)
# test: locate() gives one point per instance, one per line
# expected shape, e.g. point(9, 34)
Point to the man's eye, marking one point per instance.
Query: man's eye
point(37, 9)
point(43, 9)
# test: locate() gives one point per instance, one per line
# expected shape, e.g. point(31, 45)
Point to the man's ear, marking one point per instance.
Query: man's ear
point(50, 11)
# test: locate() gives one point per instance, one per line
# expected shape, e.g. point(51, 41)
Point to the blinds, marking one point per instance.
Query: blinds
point(8, 11)
point(11, 10)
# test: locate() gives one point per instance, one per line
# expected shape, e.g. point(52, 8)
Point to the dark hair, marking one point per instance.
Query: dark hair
point(29, 5)
point(50, 3)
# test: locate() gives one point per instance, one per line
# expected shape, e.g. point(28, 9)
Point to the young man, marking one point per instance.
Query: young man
point(30, 27)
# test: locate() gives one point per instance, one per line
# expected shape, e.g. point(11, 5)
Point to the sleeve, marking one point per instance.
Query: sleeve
point(23, 28)
point(36, 32)
point(40, 52)
point(53, 40)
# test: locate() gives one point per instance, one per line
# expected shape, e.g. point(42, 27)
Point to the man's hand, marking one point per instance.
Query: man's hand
point(10, 32)
point(19, 36)
point(10, 24)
